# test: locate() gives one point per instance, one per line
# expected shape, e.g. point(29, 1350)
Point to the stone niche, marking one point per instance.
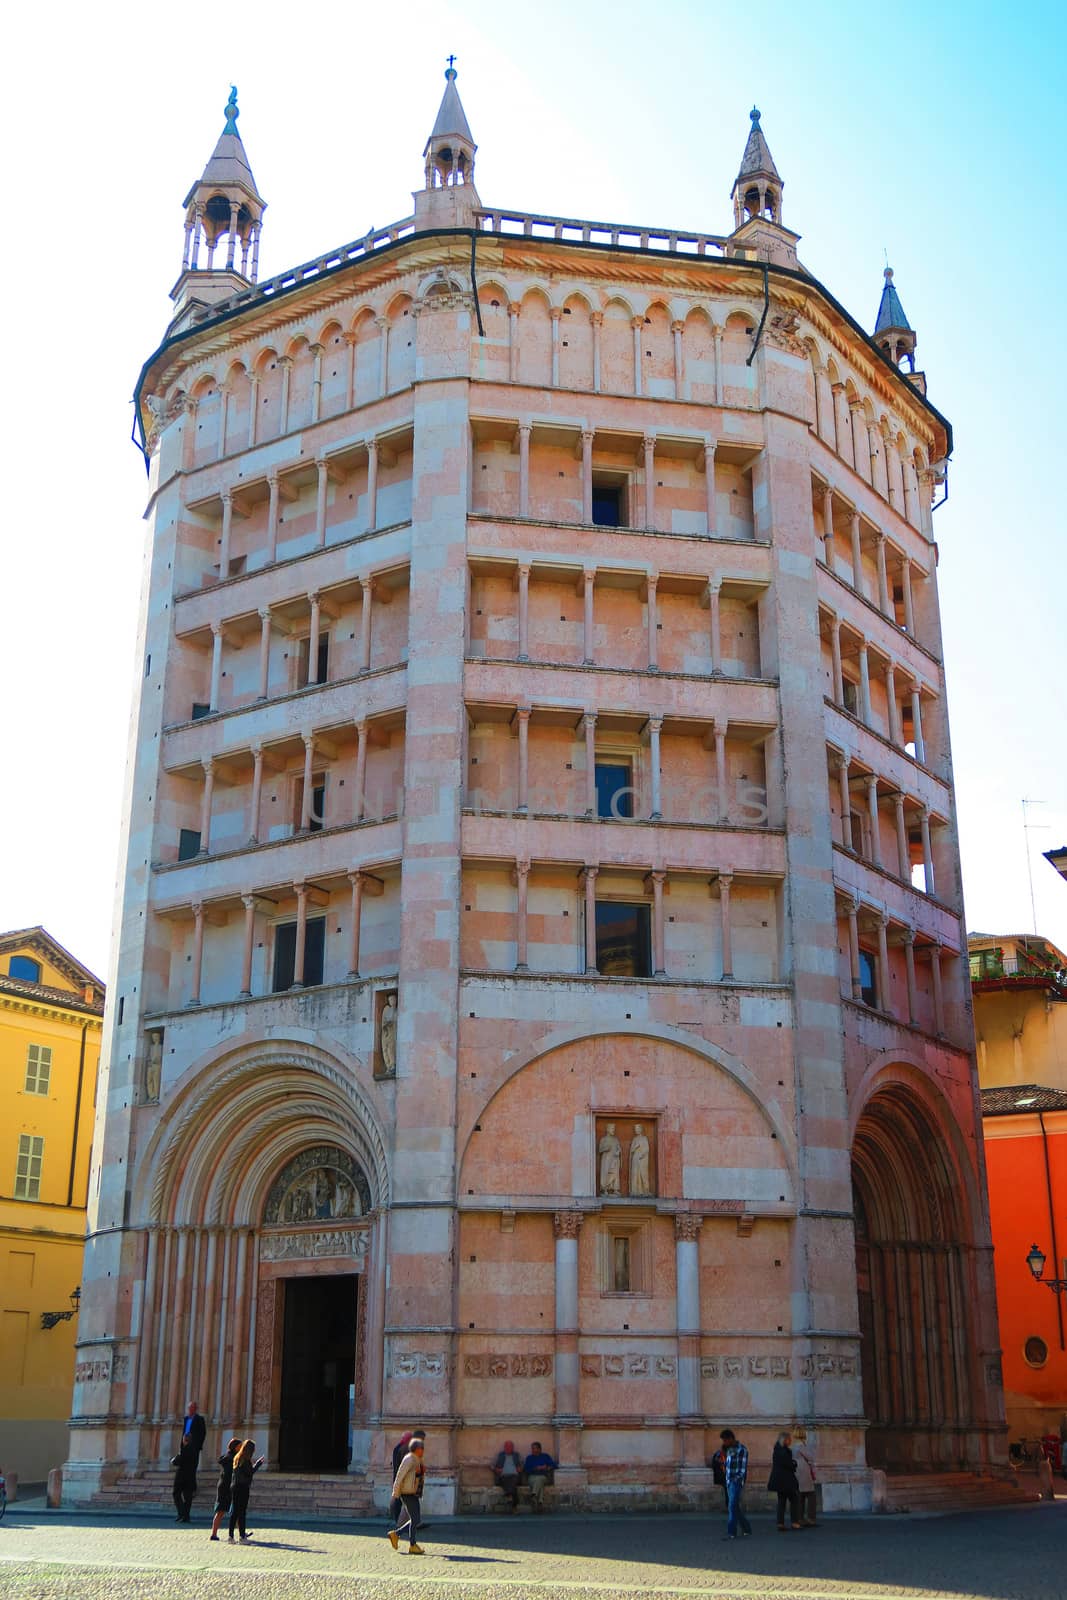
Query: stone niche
point(628, 1172)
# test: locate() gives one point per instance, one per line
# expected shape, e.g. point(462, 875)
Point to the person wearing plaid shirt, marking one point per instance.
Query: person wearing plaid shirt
point(736, 1474)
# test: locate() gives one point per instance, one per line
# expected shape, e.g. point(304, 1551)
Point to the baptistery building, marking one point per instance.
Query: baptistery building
point(539, 1004)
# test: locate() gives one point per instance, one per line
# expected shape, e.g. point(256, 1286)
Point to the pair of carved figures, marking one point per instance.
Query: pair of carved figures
point(609, 1153)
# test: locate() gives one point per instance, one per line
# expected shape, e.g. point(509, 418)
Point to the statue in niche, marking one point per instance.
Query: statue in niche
point(153, 1067)
point(610, 1152)
point(387, 1035)
point(639, 1154)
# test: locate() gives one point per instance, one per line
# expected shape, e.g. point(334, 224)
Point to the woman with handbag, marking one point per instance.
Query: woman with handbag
point(783, 1482)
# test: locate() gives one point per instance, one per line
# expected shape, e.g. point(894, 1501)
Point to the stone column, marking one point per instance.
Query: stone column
point(313, 637)
point(253, 407)
point(679, 361)
point(883, 577)
point(893, 703)
point(208, 765)
point(655, 724)
point(903, 848)
point(350, 378)
point(860, 457)
point(589, 719)
point(911, 497)
point(566, 1227)
point(198, 952)
point(227, 529)
point(513, 340)
point(652, 586)
point(232, 234)
point(587, 475)
point(888, 453)
point(257, 790)
point(360, 783)
point(356, 879)
point(909, 970)
point(216, 665)
point(854, 948)
point(637, 323)
point(309, 761)
point(320, 501)
point(249, 903)
point(272, 518)
point(882, 924)
point(264, 651)
point(382, 325)
point(372, 485)
point(846, 801)
point(835, 657)
point(905, 584)
point(524, 612)
point(709, 487)
point(522, 717)
point(522, 876)
point(714, 591)
point(865, 683)
point(857, 554)
point(301, 892)
point(717, 337)
point(928, 854)
point(872, 813)
point(597, 319)
point(650, 480)
point(722, 786)
point(588, 648)
point(917, 724)
point(589, 883)
point(366, 596)
point(828, 525)
point(286, 364)
point(316, 382)
point(659, 954)
point(525, 430)
point(939, 997)
point(224, 420)
point(687, 1297)
point(555, 313)
point(725, 882)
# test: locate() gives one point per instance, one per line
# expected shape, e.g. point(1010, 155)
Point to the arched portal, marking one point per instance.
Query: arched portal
point(913, 1237)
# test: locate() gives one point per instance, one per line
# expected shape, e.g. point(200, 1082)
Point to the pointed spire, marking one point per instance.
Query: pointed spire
point(893, 333)
point(228, 163)
point(451, 118)
point(449, 198)
point(757, 158)
point(757, 190)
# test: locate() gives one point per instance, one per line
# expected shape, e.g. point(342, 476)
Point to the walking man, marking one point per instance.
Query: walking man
point(407, 1487)
point(736, 1474)
point(187, 1460)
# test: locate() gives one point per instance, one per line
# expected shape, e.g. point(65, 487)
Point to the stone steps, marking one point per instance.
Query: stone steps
point(343, 1496)
point(956, 1491)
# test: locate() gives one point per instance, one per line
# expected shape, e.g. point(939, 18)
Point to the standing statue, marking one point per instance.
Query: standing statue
point(639, 1153)
point(387, 1036)
point(153, 1070)
point(610, 1152)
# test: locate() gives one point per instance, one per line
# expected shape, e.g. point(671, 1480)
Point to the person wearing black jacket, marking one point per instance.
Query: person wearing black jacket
point(244, 1470)
point(783, 1482)
point(224, 1487)
point(185, 1463)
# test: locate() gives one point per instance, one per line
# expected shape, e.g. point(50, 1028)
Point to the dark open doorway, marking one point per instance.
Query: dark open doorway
point(318, 1365)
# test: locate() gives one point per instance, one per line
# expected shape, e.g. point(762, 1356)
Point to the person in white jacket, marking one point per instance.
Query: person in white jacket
point(407, 1486)
point(804, 1457)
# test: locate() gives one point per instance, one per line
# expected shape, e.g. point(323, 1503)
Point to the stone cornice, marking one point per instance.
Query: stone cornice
point(54, 1010)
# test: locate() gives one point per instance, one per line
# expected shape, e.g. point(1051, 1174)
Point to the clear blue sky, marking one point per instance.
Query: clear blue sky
point(933, 132)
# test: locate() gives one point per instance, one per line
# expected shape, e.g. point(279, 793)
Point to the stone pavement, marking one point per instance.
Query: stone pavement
point(1016, 1554)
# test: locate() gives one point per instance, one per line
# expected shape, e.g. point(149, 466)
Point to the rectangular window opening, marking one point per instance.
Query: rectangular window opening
point(614, 786)
point(868, 980)
point(188, 844)
point(621, 1282)
point(851, 695)
point(28, 1167)
point(609, 500)
point(284, 975)
point(38, 1068)
point(623, 939)
point(317, 813)
point(304, 660)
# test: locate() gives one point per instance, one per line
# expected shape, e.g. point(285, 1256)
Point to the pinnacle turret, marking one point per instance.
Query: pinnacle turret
point(893, 333)
point(449, 198)
point(757, 190)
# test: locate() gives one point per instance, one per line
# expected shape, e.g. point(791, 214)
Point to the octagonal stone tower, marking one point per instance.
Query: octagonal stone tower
point(537, 1005)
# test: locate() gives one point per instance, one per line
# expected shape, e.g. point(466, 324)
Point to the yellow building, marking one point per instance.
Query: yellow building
point(51, 1013)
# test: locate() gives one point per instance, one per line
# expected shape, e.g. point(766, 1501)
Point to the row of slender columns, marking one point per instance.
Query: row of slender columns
point(316, 612)
point(870, 780)
point(525, 430)
point(637, 325)
point(896, 729)
point(359, 786)
point(885, 599)
point(872, 453)
point(656, 881)
point(587, 586)
point(884, 989)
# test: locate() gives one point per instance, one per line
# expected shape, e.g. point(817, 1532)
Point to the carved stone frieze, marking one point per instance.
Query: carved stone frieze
point(631, 1365)
point(767, 1366)
point(308, 1244)
point(510, 1366)
point(418, 1364)
point(266, 1307)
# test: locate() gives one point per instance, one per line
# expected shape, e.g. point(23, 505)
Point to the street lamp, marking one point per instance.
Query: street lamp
point(1036, 1262)
point(50, 1318)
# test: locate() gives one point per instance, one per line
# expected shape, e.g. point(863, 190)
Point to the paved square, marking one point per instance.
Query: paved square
point(1016, 1554)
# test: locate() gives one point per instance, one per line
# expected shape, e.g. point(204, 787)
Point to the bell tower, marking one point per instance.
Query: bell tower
point(448, 198)
point(223, 211)
point(757, 196)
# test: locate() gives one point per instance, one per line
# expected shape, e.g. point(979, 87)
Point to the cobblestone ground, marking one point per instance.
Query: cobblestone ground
point(1017, 1554)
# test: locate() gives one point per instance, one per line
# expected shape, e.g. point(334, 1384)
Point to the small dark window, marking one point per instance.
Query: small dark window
point(24, 967)
point(285, 953)
point(868, 980)
point(122, 1008)
point(623, 943)
point(200, 710)
point(621, 1281)
point(317, 813)
point(614, 789)
point(323, 660)
point(608, 504)
point(188, 844)
point(851, 697)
